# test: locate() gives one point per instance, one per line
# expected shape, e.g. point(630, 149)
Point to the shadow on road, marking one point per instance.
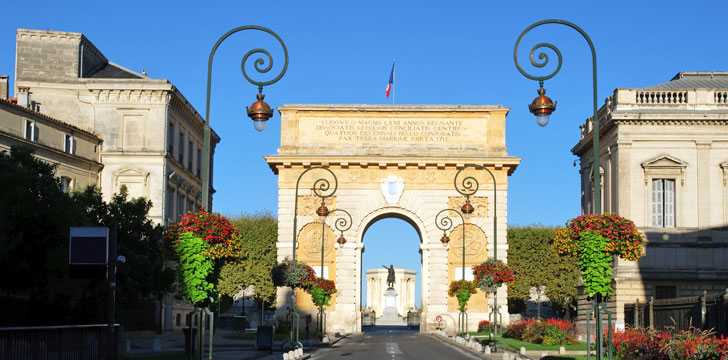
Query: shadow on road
point(387, 328)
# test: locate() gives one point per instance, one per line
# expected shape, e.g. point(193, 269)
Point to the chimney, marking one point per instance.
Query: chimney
point(23, 96)
point(3, 87)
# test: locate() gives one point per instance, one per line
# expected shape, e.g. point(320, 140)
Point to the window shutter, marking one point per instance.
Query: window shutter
point(35, 131)
point(657, 203)
point(669, 203)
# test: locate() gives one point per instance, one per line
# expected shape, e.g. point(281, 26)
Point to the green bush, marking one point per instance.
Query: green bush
point(534, 263)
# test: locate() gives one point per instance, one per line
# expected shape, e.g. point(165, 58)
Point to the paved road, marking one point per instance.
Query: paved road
point(391, 343)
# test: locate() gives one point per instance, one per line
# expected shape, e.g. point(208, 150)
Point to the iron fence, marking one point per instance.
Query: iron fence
point(75, 342)
point(413, 319)
point(704, 312)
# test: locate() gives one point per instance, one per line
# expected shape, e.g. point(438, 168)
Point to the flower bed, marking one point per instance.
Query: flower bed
point(633, 344)
point(485, 326)
point(548, 332)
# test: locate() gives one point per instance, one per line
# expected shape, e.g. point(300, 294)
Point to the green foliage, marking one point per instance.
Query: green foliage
point(319, 297)
point(139, 239)
point(34, 224)
point(462, 290)
point(257, 235)
point(321, 291)
point(293, 274)
point(195, 272)
point(34, 228)
point(534, 263)
point(594, 262)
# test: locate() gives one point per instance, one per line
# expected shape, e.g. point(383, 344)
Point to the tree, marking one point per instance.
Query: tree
point(139, 240)
point(34, 224)
point(535, 263)
point(257, 242)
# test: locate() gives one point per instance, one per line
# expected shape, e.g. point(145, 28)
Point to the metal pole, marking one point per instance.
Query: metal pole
point(445, 223)
point(111, 293)
point(259, 61)
point(321, 308)
point(469, 187)
point(320, 188)
point(596, 168)
point(595, 118)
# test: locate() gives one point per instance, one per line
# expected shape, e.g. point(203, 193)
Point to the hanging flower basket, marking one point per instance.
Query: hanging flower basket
point(594, 239)
point(321, 291)
point(491, 274)
point(462, 290)
point(293, 274)
point(623, 238)
point(213, 228)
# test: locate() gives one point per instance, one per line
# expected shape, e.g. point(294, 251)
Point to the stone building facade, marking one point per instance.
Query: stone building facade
point(404, 285)
point(391, 161)
point(152, 136)
point(75, 151)
point(664, 159)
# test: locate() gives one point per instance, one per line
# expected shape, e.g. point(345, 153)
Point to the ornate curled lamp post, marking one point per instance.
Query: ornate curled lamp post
point(259, 111)
point(444, 223)
point(468, 187)
point(342, 224)
point(542, 107)
point(323, 189)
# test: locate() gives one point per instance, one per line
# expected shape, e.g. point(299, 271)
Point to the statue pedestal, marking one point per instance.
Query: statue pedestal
point(390, 315)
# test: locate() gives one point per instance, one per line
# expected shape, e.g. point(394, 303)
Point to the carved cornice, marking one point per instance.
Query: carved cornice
point(181, 112)
point(130, 96)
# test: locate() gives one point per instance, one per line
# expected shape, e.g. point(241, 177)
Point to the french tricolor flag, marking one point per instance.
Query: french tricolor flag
point(391, 82)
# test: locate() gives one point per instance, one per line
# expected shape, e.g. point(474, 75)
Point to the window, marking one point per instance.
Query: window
point(189, 155)
point(31, 130)
point(170, 139)
point(170, 203)
point(181, 153)
point(199, 162)
point(69, 144)
point(65, 184)
point(663, 203)
point(180, 206)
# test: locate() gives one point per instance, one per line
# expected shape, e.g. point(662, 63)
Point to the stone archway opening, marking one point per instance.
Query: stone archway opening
point(391, 239)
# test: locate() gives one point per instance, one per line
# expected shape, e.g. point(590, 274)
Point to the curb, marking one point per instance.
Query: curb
point(469, 346)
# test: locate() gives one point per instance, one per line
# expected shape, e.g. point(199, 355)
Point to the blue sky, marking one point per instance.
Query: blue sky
point(459, 52)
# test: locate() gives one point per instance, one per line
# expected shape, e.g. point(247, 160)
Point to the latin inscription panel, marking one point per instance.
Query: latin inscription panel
point(405, 130)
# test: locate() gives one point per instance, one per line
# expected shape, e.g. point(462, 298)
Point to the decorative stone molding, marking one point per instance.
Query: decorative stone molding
point(136, 180)
point(480, 203)
point(307, 204)
point(724, 168)
point(129, 96)
point(475, 244)
point(664, 166)
point(309, 239)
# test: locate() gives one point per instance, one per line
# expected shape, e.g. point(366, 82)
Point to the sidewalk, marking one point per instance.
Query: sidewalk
point(148, 343)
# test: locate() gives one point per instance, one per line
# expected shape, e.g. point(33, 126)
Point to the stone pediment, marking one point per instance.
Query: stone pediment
point(664, 161)
point(131, 172)
point(664, 166)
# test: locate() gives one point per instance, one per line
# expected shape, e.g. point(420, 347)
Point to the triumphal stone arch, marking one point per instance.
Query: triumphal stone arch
point(391, 161)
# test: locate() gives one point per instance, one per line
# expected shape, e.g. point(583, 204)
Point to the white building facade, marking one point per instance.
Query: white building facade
point(404, 285)
point(664, 159)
